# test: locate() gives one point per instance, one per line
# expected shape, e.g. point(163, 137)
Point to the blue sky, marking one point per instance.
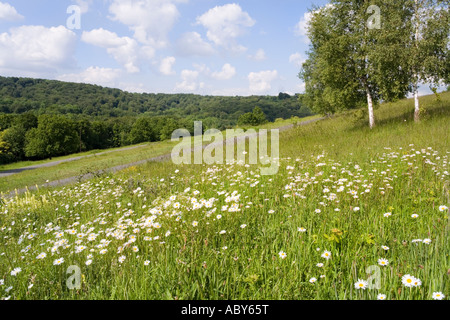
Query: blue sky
point(170, 46)
point(160, 46)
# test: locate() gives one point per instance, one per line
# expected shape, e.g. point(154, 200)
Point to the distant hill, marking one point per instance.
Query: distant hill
point(21, 95)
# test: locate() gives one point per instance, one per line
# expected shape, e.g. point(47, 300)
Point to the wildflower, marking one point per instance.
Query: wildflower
point(301, 229)
point(355, 209)
point(386, 248)
point(223, 232)
point(282, 254)
point(414, 216)
point(320, 265)
point(243, 226)
point(103, 251)
point(312, 280)
point(361, 284)
point(194, 223)
point(146, 263)
point(135, 249)
point(441, 209)
point(326, 254)
point(42, 255)
point(15, 271)
point(426, 241)
point(121, 259)
point(88, 262)
point(59, 261)
point(438, 296)
point(387, 214)
point(381, 297)
point(167, 234)
point(383, 262)
point(408, 280)
point(417, 282)
point(271, 211)
point(317, 211)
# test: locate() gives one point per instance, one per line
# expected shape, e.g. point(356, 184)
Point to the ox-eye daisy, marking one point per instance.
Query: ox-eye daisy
point(438, 296)
point(361, 284)
point(326, 254)
point(383, 262)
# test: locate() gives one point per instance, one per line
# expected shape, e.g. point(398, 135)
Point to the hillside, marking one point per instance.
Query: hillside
point(20, 95)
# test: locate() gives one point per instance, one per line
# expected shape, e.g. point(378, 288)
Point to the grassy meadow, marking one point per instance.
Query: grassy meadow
point(345, 199)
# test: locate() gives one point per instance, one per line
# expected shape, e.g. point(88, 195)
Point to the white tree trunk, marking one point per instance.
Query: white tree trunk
point(416, 76)
point(370, 107)
point(416, 103)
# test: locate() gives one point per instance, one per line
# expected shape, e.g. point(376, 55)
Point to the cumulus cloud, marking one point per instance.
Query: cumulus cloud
point(224, 24)
point(297, 59)
point(9, 13)
point(124, 50)
point(166, 66)
point(93, 75)
point(151, 20)
point(192, 44)
point(260, 55)
point(301, 28)
point(189, 81)
point(37, 49)
point(226, 73)
point(260, 82)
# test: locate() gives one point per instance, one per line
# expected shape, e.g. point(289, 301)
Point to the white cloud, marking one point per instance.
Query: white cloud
point(37, 49)
point(192, 44)
point(151, 20)
point(227, 73)
point(224, 24)
point(260, 82)
point(9, 13)
point(260, 55)
point(166, 66)
point(297, 59)
point(125, 50)
point(93, 75)
point(189, 81)
point(301, 28)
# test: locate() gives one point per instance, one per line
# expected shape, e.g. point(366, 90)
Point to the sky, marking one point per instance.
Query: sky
point(207, 47)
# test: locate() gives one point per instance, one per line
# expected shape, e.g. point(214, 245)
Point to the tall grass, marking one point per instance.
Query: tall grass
point(336, 182)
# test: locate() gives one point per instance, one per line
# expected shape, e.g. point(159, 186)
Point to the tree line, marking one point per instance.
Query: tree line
point(366, 52)
point(44, 118)
point(30, 137)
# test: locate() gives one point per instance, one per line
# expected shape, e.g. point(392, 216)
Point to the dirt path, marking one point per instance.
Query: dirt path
point(66, 181)
point(6, 173)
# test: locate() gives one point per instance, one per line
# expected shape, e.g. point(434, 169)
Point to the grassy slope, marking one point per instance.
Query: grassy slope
point(96, 163)
point(198, 262)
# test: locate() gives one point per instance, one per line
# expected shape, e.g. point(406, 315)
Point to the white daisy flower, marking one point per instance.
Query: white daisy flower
point(438, 296)
point(361, 284)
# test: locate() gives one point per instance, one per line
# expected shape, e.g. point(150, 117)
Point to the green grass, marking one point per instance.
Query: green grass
point(95, 163)
point(399, 167)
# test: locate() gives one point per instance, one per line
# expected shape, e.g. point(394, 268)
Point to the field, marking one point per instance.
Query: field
point(345, 202)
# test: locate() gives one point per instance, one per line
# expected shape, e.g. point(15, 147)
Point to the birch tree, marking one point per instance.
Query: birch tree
point(356, 55)
point(429, 51)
